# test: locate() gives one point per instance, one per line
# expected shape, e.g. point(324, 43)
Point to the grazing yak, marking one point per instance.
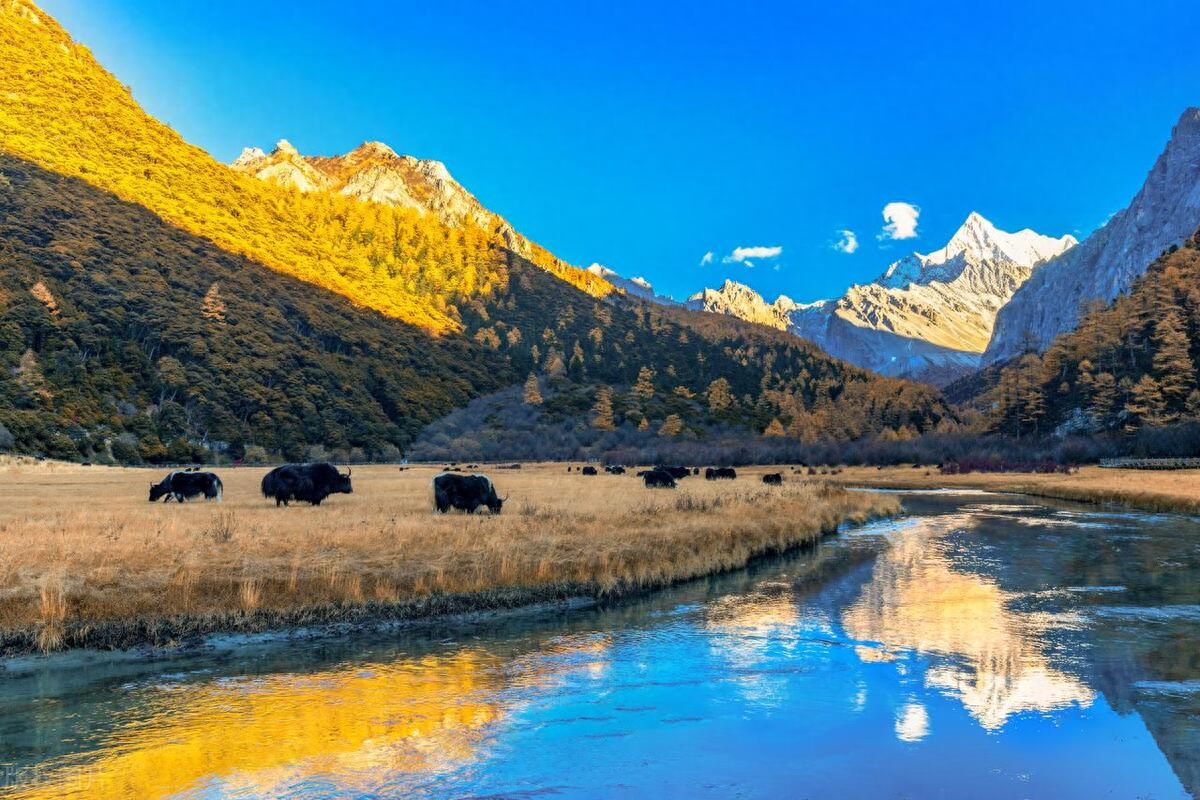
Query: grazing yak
point(588, 471)
point(184, 484)
point(773, 479)
point(657, 479)
point(308, 483)
point(678, 473)
point(720, 474)
point(466, 493)
point(615, 469)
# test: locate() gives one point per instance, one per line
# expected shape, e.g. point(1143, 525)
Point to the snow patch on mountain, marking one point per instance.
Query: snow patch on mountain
point(637, 286)
point(928, 316)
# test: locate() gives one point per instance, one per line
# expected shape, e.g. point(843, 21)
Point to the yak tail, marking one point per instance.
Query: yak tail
point(220, 488)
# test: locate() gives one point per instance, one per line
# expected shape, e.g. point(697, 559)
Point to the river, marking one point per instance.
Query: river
point(984, 646)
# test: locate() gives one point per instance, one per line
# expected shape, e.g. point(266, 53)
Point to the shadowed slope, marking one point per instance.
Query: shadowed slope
point(112, 321)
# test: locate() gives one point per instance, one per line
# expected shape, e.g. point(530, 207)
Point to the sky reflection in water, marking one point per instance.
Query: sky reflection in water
point(982, 648)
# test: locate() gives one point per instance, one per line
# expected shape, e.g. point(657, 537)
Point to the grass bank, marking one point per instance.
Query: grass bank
point(87, 561)
point(1176, 491)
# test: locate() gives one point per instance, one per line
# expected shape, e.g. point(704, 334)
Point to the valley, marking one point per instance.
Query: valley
point(89, 563)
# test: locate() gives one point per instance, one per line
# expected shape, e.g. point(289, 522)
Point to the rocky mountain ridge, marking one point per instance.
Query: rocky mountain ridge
point(376, 173)
point(1165, 211)
point(928, 315)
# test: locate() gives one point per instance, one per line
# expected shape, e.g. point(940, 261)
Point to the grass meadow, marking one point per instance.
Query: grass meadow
point(86, 560)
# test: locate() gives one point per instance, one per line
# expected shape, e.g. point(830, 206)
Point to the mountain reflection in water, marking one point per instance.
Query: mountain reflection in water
point(994, 660)
point(978, 648)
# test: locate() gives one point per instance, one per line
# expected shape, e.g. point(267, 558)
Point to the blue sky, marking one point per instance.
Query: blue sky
point(643, 135)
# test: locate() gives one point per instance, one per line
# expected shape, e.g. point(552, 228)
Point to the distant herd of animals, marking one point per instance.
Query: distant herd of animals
point(313, 483)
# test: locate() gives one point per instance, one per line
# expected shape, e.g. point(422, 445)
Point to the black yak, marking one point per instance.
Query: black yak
point(465, 492)
point(678, 473)
point(657, 479)
point(182, 485)
point(308, 483)
point(773, 479)
point(720, 474)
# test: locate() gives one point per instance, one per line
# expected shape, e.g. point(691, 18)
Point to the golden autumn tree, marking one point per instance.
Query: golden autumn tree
point(719, 395)
point(672, 426)
point(602, 411)
point(775, 429)
point(532, 395)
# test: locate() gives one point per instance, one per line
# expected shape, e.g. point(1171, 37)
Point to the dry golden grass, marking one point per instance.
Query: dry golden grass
point(1147, 490)
point(85, 559)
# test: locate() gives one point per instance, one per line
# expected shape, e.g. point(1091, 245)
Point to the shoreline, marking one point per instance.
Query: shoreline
point(1153, 492)
point(167, 636)
point(665, 539)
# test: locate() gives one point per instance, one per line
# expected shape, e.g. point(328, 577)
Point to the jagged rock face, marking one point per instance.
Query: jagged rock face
point(1164, 212)
point(949, 298)
point(928, 316)
point(375, 173)
point(638, 287)
point(738, 300)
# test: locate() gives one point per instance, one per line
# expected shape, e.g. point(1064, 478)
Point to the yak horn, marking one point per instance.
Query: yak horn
point(349, 472)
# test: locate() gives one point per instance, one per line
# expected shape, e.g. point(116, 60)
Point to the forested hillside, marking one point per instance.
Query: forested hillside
point(160, 306)
point(1128, 365)
point(63, 111)
point(116, 327)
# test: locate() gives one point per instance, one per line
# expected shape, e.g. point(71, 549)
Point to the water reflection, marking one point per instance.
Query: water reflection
point(912, 722)
point(261, 735)
point(980, 649)
point(993, 658)
point(744, 633)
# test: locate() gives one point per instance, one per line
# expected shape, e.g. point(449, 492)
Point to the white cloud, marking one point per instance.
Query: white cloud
point(901, 219)
point(707, 259)
point(848, 242)
point(742, 255)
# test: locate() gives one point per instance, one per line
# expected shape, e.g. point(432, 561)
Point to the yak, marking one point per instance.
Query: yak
point(657, 479)
point(466, 493)
point(615, 469)
point(720, 474)
point(773, 479)
point(678, 473)
point(308, 483)
point(181, 485)
point(588, 471)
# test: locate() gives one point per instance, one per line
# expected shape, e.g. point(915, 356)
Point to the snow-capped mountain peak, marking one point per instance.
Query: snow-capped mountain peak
point(976, 241)
point(929, 315)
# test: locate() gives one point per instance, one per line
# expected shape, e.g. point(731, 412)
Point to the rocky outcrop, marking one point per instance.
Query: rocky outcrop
point(637, 287)
point(1163, 213)
point(374, 172)
point(738, 300)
